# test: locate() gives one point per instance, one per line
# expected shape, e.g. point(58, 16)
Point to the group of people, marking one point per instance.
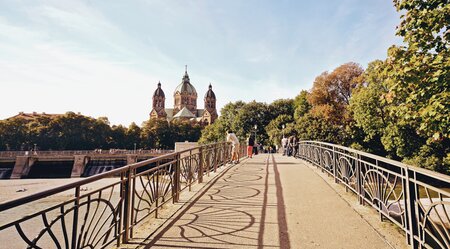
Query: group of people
point(252, 146)
point(289, 145)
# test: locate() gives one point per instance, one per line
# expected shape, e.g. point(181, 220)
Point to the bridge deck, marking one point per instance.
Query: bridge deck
point(267, 202)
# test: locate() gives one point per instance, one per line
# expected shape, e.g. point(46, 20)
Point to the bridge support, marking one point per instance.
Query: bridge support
point(79, 163)
point(131, 158)
point(22, 166)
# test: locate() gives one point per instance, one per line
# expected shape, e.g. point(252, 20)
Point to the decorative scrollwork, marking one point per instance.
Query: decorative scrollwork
point(97, 222)
point(152, 186)
point(435, 222)
point(385, 192)
point(346, 170)
point(327, 160)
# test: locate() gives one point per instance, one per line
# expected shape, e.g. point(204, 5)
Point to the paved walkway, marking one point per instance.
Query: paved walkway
point(267, 202)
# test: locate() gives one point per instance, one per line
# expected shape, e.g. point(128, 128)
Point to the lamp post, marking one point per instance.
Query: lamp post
point(134, 148)
point(256, 150)
point(283, 126)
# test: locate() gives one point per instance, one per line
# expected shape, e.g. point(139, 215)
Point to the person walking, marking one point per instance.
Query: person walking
point(231, 137)
point(294, 146)
point(284, 145)
point(250, 144)
point(290, 145)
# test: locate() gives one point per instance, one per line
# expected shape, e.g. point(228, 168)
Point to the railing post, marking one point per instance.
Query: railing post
point(132, 197)
point(320, 156)
point(75, 217)
point(216, 157)
point(200, 165)
point(410, 199)
point(335, 162)
point(127, 206)
point(157, 190)
point(190, 173)
point(208, 160)
point(359, 187)
point(177, 175)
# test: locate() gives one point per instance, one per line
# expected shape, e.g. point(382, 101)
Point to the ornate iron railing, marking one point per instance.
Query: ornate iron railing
point(415, 199)
point(98, 211)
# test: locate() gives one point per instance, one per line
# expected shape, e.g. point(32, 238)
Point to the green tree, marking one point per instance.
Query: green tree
point(133, 136)
point(301, 104)
point(275, 128)
point(251, 114)
point(157, 133)
point(312, 127)
point(282, 107)
point(418, 79)
point(370, 110)
point(216, 131)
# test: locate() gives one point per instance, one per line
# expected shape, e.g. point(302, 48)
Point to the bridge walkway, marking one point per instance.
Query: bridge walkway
point(269, 201)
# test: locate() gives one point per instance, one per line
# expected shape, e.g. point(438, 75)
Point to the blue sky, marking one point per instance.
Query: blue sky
point(105, 58)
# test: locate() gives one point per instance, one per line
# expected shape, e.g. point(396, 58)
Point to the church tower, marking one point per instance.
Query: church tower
point(210, 113)
point(158, 105)
point(185, 95)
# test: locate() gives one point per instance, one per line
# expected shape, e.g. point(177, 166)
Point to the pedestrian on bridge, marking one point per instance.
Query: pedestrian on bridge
point(294, 146)
point(231, 137)
point(250, 144)
point(284, 142)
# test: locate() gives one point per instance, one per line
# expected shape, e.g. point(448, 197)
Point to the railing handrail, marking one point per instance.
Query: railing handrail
point(6, 153)
point(441, 176)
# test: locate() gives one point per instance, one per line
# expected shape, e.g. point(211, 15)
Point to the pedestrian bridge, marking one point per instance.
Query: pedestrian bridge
point(330, 197)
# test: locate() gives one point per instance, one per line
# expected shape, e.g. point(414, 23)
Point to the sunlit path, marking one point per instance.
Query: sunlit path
point(269, 201)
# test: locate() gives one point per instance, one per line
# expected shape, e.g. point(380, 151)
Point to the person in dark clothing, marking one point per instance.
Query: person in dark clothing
point(290, 145)
point(294, 146)
point(250, 144)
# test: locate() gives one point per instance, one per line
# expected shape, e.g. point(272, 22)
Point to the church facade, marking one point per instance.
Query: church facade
point(185, 103)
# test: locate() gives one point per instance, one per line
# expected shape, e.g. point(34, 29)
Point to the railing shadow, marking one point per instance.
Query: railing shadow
point(230, 213)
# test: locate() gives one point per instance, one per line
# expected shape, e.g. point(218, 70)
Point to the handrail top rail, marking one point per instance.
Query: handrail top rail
point(46, 193)
point(9, 153)
point(428, 172)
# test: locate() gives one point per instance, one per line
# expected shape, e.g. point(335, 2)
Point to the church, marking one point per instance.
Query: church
point(185, 103)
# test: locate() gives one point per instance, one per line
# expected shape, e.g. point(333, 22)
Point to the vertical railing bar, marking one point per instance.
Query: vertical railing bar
point(200, 166)
point(157, 190)
point(177, 179)
point(132, 177)
point(358, 178)
point(335, 162)
point(190, 173)
point(75, 217)
point(127, 202)
point(215, 158)
point(411, 209)
point(120, 211)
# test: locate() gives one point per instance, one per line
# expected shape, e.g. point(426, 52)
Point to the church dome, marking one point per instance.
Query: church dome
point(210, 93)
point(186, 86)
point(158, 92)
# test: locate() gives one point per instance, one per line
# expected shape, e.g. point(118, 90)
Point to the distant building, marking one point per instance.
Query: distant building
point(185, 103)
point(33, 115)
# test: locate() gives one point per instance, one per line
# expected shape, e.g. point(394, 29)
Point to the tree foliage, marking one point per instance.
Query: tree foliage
point(331, 92)
point(77, 132)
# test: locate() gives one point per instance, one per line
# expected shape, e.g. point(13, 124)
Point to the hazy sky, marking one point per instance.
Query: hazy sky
point(105, 58)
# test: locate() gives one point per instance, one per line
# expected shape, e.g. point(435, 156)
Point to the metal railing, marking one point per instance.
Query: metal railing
point(101, 210)
point(415, 199)
point(81, 152)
